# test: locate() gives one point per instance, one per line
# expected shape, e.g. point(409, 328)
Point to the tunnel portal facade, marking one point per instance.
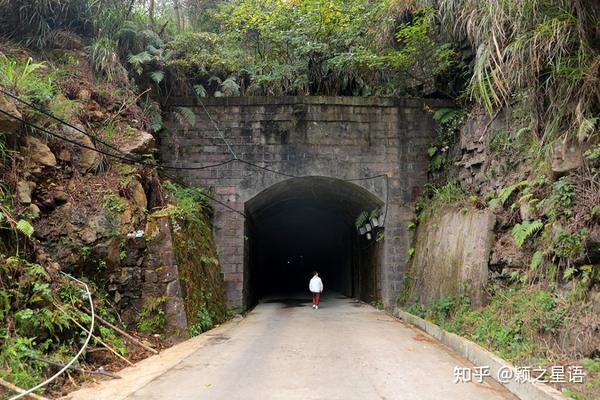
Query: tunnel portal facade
point(302, 220)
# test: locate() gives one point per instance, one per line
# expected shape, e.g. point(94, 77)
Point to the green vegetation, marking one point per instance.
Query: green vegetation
point(525, 230)
point(448, 195)
point(513, 323)
point(111, 65)
point(42, 319)
point(510, 324)
point(152, 316)
point(199, 269)
point(546, 50)
point(25, 79)
point(250, 47)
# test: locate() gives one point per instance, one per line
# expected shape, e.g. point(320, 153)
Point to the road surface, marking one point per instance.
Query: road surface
point(285, 350)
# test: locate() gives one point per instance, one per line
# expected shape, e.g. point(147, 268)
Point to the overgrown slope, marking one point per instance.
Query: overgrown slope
point(78, 195)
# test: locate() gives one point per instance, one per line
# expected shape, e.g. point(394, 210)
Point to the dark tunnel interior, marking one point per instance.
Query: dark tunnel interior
point(306, 224)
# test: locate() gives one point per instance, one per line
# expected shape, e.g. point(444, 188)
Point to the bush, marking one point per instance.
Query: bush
point(568, 245)
point(153, 317)
point(26, 79)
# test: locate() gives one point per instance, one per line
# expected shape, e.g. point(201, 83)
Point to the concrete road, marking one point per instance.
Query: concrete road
point(345, 350)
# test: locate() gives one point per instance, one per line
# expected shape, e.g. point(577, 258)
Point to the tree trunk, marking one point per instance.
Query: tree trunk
point(178, 16)
point(151, 11)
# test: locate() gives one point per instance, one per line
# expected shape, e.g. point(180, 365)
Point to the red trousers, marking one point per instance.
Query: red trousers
point(316, 298)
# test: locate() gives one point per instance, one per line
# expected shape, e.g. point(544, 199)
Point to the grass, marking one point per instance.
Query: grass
point(526, 325)
point(511, 324)
point(448, 195)
point(26, 78)
point(540, 48)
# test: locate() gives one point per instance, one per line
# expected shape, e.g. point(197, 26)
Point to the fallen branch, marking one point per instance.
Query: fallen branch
point(17, 389)
point(85, 371)
point(123, 333)
point(116, 353)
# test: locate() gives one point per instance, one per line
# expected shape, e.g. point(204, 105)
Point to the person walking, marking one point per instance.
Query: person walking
point(316, 287)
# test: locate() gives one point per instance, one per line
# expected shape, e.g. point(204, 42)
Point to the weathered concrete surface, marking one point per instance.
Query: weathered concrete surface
point(451, 255)
point(339, 137)
point(345, 350)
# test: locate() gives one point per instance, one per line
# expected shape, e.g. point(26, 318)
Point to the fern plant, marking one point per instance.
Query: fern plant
point(526, 230)
point(229, 87)
point(185, 116)
point(362, 218)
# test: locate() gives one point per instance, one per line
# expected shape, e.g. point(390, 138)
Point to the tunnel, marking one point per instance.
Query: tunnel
point(308, 224)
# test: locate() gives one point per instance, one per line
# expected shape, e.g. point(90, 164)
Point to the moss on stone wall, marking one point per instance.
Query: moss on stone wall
point(199, 274)
point(199, 270)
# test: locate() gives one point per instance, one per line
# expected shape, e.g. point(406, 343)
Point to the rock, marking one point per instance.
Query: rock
point(8, 124)
point(595, 300)
point(526, 211)
point(34, 210)
point(506, 254)
point(138, 195)
point(84, 95)
point(39, 152)
point(24, 191)
point(118, 297)
point(566, 158)
point(140, 144)
point(60, 197)
point(82, 158)
point(64, 155)
point(108, 250)
point(592, 247)
point(48, 204)
point(126, 217)
point(150, 276)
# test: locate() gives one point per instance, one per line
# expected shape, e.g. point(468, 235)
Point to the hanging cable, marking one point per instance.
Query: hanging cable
point(107, 154)
point(233, 153)
point(176, 168)
point(180, 182)
point(60, 120)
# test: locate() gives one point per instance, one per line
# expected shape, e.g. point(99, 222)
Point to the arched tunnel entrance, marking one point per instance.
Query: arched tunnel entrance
point(306, 224)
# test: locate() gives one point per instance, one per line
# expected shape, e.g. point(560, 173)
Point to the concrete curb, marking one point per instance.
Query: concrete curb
point(481, 357)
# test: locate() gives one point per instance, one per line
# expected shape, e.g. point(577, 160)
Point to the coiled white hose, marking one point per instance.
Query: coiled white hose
point(87, 340)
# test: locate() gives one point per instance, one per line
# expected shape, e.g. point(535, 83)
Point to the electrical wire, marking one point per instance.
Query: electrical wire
point(176, 180)
point(79, 353)
point(157, 165)
point(105, 153)
point(60, 120)
point(160, 166)
point(233, 153)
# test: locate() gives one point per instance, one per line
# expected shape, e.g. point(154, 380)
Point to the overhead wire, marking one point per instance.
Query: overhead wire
point(235, 157)
point(233, 153)
point(124, 157)
point(105, 153)
point(60, 120)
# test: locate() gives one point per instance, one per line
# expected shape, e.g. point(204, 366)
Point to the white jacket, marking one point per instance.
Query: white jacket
point(316, 285)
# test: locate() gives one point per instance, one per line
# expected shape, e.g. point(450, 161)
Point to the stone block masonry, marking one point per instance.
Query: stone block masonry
point(339, 137)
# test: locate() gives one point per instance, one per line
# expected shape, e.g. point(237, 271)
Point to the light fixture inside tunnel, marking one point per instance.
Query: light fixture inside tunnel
point(369, 223)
